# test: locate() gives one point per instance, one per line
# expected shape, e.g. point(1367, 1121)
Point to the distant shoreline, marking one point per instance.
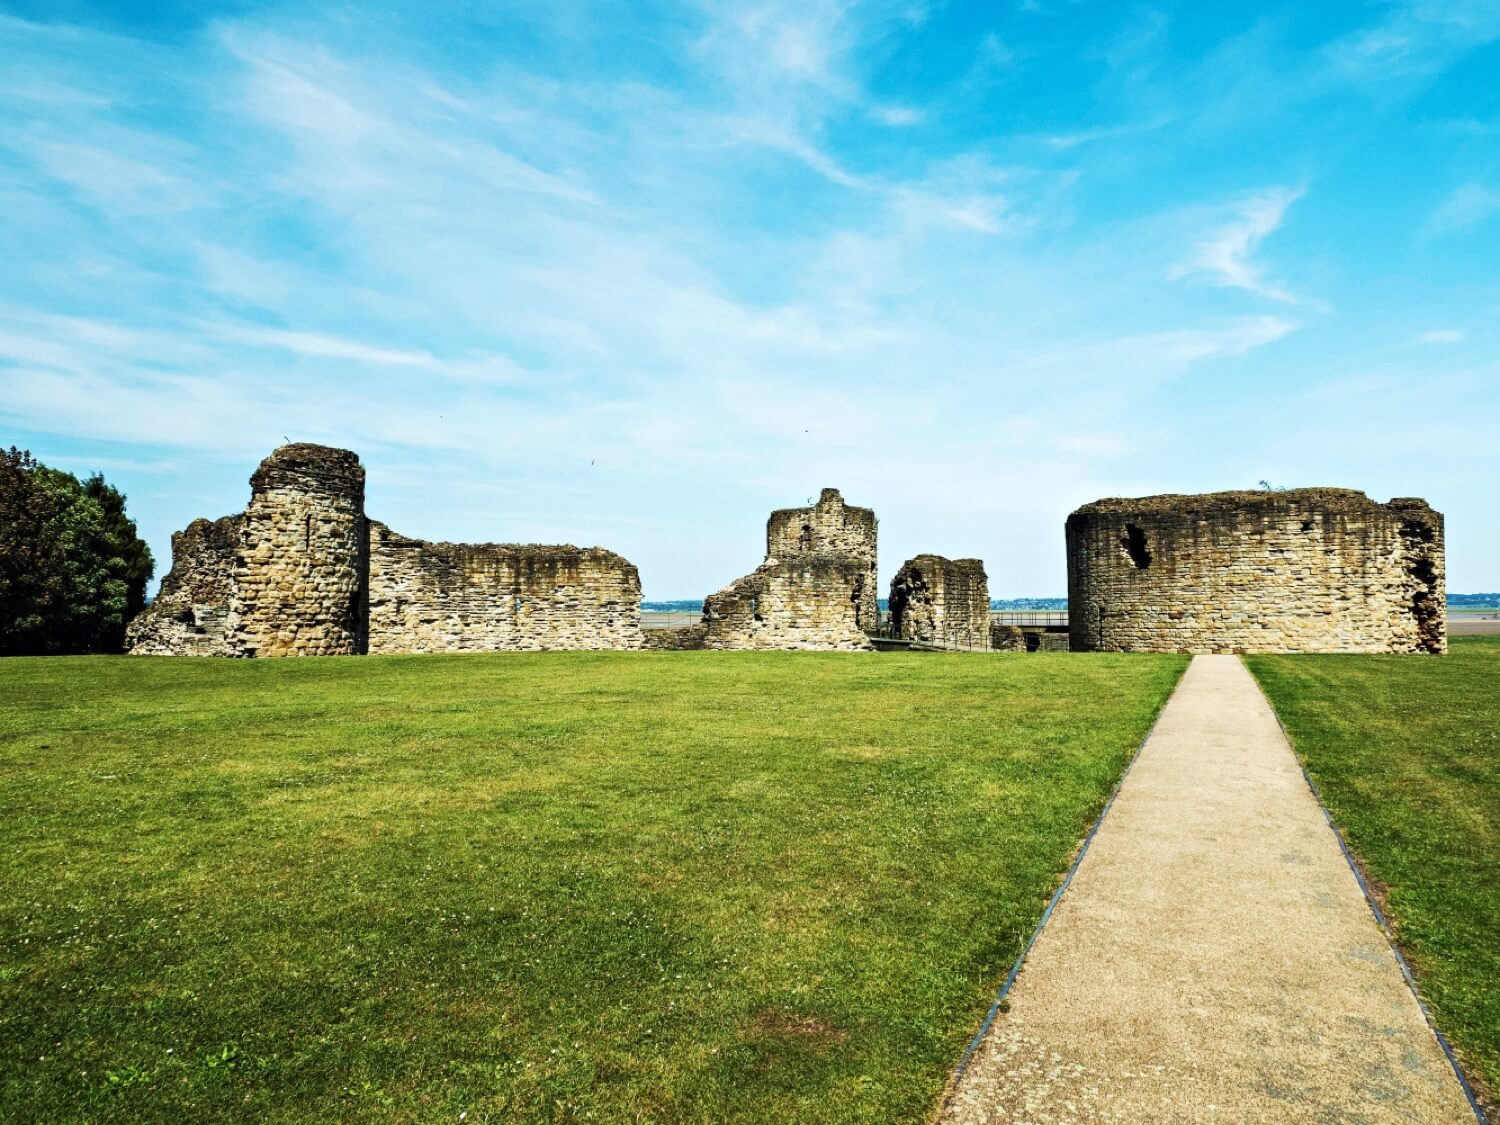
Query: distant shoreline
point(1459, 605)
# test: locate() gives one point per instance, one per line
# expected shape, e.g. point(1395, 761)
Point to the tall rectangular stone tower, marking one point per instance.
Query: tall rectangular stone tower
point(830, 528)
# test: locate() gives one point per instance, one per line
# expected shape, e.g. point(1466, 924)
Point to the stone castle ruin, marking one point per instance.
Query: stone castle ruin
point(303, 572)
point(815, 590)
point(941, 602)
point(1308, 570)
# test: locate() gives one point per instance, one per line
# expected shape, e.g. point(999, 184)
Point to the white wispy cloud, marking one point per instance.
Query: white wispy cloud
point(1078, 137)
point(1465, 208)
point(1414, 38)
point(1226, 256)
point(897, 116)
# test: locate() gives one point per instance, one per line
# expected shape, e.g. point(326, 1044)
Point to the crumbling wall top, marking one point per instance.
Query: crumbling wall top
point(1208, 503)
point(564, 553)
point(318, 468)
point(828, 499)
point(929, 561)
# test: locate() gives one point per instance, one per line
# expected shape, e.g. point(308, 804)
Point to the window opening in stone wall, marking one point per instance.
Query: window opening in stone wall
point(805, 540)
point(1134, 544)
point(1306, 526)
point(517, 607)
point(307, 532)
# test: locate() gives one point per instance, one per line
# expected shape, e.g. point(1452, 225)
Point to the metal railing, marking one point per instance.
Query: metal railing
point(1036, 618)
point(1025, 618)
point(670, 619)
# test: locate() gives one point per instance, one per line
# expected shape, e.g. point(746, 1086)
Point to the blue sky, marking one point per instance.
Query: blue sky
point(635, 273)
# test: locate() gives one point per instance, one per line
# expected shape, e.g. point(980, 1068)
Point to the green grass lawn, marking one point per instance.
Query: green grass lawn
point(615, 887)
point(1406, 752)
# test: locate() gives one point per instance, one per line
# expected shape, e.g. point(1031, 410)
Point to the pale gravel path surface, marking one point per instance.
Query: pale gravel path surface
point(1214, 958)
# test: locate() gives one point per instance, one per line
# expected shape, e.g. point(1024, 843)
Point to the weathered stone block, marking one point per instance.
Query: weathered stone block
point(1007, 638)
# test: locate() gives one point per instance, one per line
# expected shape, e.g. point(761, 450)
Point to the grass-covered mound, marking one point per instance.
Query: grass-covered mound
point(1406, 752)
point(624, 887)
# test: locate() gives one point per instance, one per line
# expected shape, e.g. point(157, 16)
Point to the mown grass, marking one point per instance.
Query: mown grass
point(615, 887)
point(1406, 753)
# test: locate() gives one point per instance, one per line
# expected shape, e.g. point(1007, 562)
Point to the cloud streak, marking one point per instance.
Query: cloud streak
point(1226, 256)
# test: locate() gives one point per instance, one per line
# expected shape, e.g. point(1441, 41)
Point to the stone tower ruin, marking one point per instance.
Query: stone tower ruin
point(815, 590)
point(941, 602)
point(830, 528)
point(1307, 570)
point(299, 579)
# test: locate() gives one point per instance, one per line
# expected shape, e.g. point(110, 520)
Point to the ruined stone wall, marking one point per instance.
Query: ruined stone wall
point(944, 602)
point(299, 579)
point(830, 528)
point(806, 602)
point(189, 614)
point(676, 638)
point(297, 574)
point(446, 597)
point(1310, 570)
point(1007, 638)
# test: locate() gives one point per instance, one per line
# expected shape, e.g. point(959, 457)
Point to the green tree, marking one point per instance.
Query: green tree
point(134, 562)
point(73, 570)
point(32, 586)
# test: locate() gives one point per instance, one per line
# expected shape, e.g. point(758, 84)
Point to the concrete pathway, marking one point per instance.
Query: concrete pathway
point(1214, 958)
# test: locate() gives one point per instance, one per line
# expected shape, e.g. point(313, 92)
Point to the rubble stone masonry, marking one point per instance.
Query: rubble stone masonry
point(447, 597)
point(807, 602)
point(299, 578)
point(942, 602)
point(190, 613)
point(303, 572)
point(832, 529)
point(1309, 570)
point(815, 590)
